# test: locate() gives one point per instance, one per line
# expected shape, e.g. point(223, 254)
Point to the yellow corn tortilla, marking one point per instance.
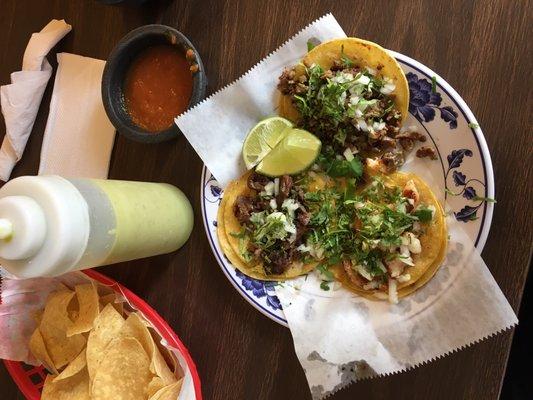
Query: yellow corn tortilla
point(433, 242)
point(228, 224)
point(362, 53)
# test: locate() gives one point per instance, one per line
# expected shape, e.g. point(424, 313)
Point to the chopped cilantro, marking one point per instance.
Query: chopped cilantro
point(339, 168)
point(346, 62)
point(486, 199)
point(424, 214)
point(323, 269)
point(324, 285)
point(433, 84)
point(310, 45)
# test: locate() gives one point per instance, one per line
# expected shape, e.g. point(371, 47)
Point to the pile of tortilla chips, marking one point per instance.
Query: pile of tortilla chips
point(96, 352)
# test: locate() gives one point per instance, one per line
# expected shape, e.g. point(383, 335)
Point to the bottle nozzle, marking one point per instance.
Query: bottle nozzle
point(6, 229)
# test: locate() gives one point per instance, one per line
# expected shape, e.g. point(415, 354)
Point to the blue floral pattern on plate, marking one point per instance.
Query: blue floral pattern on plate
point(424, 100)
point(466, 174)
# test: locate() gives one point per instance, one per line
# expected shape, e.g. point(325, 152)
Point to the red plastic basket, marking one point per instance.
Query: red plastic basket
point(30, 379)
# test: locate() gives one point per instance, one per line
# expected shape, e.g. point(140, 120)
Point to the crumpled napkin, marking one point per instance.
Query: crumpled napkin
point(21, 99)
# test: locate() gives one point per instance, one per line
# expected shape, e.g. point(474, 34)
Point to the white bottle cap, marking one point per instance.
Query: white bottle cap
point(44, 226)
point(22, 227)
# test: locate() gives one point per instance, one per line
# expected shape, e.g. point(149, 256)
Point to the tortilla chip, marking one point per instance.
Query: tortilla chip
point(87, 297)
point(38, 349)
point(111, 299)
point(107, 326)
point(79, 363)
point(75, 387)
point(153, 387)
point(169, 392)
point(123, 373)
point(135, 327)
point(54, 325)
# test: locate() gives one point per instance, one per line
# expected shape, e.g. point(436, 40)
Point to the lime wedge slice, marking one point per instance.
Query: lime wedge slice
point(263, 138)
point(297, 150)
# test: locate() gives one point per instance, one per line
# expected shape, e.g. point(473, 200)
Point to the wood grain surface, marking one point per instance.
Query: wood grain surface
point(482, 48)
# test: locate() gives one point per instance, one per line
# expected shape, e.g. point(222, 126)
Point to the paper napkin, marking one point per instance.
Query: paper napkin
point(79, 137)
point(21, 99)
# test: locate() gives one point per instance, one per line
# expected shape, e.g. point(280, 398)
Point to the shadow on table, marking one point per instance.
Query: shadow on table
point(518, 382)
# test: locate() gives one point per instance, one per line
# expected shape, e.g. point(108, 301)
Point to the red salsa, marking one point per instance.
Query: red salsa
point(158, 87)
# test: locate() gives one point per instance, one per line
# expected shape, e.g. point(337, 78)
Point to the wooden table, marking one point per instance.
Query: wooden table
point(480, 48)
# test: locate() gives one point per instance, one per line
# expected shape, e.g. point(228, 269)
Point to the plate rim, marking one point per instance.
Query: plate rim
point(488, 172)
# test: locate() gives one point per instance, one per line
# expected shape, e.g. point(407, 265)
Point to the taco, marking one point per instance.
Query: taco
point(400, 238)
point(352, 94)
point(262, 223)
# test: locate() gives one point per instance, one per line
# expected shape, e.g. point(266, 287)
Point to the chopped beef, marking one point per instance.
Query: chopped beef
point(387, 142)
point(425, 151)
point(280, 260)
point(354, 276)
point(391, 161)
point(407, 139)
point(260, 204)
point(411, 134)
point(337, 66)
point(407, 144)
point(302, 220)
point(285, 186)
point(289, 84)
point(242, 208)
point(303, 217)
point(257, 181)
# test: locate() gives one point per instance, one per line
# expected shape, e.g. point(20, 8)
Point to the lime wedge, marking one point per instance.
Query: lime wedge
point(263, 138)
point(297, 150)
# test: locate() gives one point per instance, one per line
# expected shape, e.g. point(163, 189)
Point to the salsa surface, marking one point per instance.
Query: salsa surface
point(158, 87)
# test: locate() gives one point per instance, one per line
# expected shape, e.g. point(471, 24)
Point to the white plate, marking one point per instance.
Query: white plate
point(464, 167)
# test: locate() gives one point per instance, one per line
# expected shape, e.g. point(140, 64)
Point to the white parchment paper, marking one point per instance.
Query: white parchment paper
point(216, 127)
point(21, 299)
point(340, 337)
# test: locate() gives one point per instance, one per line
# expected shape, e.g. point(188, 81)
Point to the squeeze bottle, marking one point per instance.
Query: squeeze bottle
point(51, 225)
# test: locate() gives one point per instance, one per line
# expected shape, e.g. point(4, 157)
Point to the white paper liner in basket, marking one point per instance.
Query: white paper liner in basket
point(22, 299)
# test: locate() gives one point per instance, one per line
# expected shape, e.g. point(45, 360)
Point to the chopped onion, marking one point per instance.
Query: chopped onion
point(363, 272)
point(276, 186)
point(268, 189)
point(404, 278)
point(388, 88)
point(393, 291)
point(361, 124)
point(363, 80)
point(273, 204)
point(371, 285)
point(348, 154)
